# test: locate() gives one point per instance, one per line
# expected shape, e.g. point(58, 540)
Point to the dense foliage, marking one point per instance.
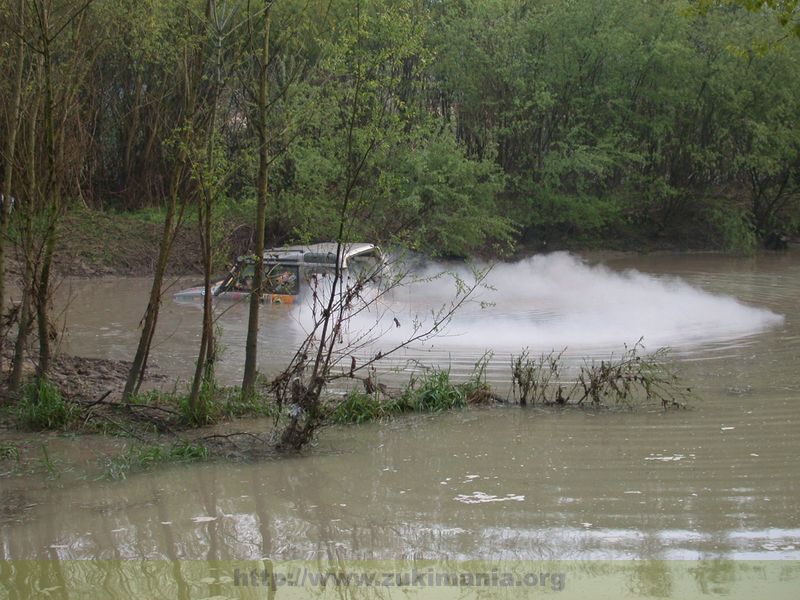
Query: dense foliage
point(487, 122)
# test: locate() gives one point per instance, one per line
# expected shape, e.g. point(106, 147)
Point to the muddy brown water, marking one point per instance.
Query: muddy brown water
point(721, 480)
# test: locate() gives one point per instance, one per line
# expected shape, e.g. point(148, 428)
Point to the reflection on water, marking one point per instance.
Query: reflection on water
point(369, 579)
point(719, 481)
point(565, 486)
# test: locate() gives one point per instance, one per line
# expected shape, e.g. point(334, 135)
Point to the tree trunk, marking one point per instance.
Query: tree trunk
point(52, 207)
point(136, 373)
point(186, 116)
point(204, 368)
point(26, 242)
point(209, 186)
point(23, 330)
point(6, 193)
point(42, 300)
point(251, 346)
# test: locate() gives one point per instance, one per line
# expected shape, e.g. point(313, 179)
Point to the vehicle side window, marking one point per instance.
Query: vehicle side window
point(318, 277)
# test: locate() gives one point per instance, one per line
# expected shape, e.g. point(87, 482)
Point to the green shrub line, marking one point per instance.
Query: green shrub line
point(216, 403)
point(624, 380)
point(154, 418)
point(42, 407)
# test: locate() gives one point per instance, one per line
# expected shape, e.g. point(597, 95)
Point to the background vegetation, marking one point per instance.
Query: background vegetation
point(535, 121)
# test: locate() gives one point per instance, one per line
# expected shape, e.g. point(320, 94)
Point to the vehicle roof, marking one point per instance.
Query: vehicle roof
point(350, 249)
point(294, 253)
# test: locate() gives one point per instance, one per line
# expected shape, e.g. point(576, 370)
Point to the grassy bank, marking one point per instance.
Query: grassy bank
point(94, 243)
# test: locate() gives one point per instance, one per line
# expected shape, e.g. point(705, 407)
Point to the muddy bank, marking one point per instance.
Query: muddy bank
point(105, 438)
point(82, 379)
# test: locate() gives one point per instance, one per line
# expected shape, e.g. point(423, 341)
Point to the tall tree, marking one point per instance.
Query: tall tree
point(189, 72)
point(209, 175)
point(12, 128)
point(62, 65)
point(261, 114)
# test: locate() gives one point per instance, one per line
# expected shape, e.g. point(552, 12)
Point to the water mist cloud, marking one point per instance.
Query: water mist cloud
point(555, 301)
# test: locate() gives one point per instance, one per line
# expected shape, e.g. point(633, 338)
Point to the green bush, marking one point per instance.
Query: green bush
point(436, 393)
point(42, 407)
point(432, 392)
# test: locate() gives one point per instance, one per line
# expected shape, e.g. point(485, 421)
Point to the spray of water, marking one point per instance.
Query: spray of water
point(556, 301)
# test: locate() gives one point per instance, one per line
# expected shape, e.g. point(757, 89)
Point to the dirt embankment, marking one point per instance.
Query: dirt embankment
point(97, 244)
point(94, 244)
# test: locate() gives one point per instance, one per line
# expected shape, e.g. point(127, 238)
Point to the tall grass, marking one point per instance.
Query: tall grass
point(432, 392)
point(359, 407)
point(216, 403)
point(206, 410)
point(435, 393)
point(42, 407)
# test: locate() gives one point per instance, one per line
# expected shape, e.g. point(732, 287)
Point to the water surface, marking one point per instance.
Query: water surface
point(717, 481)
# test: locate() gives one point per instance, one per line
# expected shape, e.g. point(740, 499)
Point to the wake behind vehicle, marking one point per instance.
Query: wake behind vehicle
point(289, 270)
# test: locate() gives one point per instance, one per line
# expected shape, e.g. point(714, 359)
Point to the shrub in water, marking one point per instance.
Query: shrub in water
point(437, 393)
point(433, 392)
point(146, 456)
point(358, 407)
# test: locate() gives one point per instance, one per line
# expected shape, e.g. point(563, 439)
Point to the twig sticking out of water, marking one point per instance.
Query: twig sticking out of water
point(627, 379)
point(532, 377)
